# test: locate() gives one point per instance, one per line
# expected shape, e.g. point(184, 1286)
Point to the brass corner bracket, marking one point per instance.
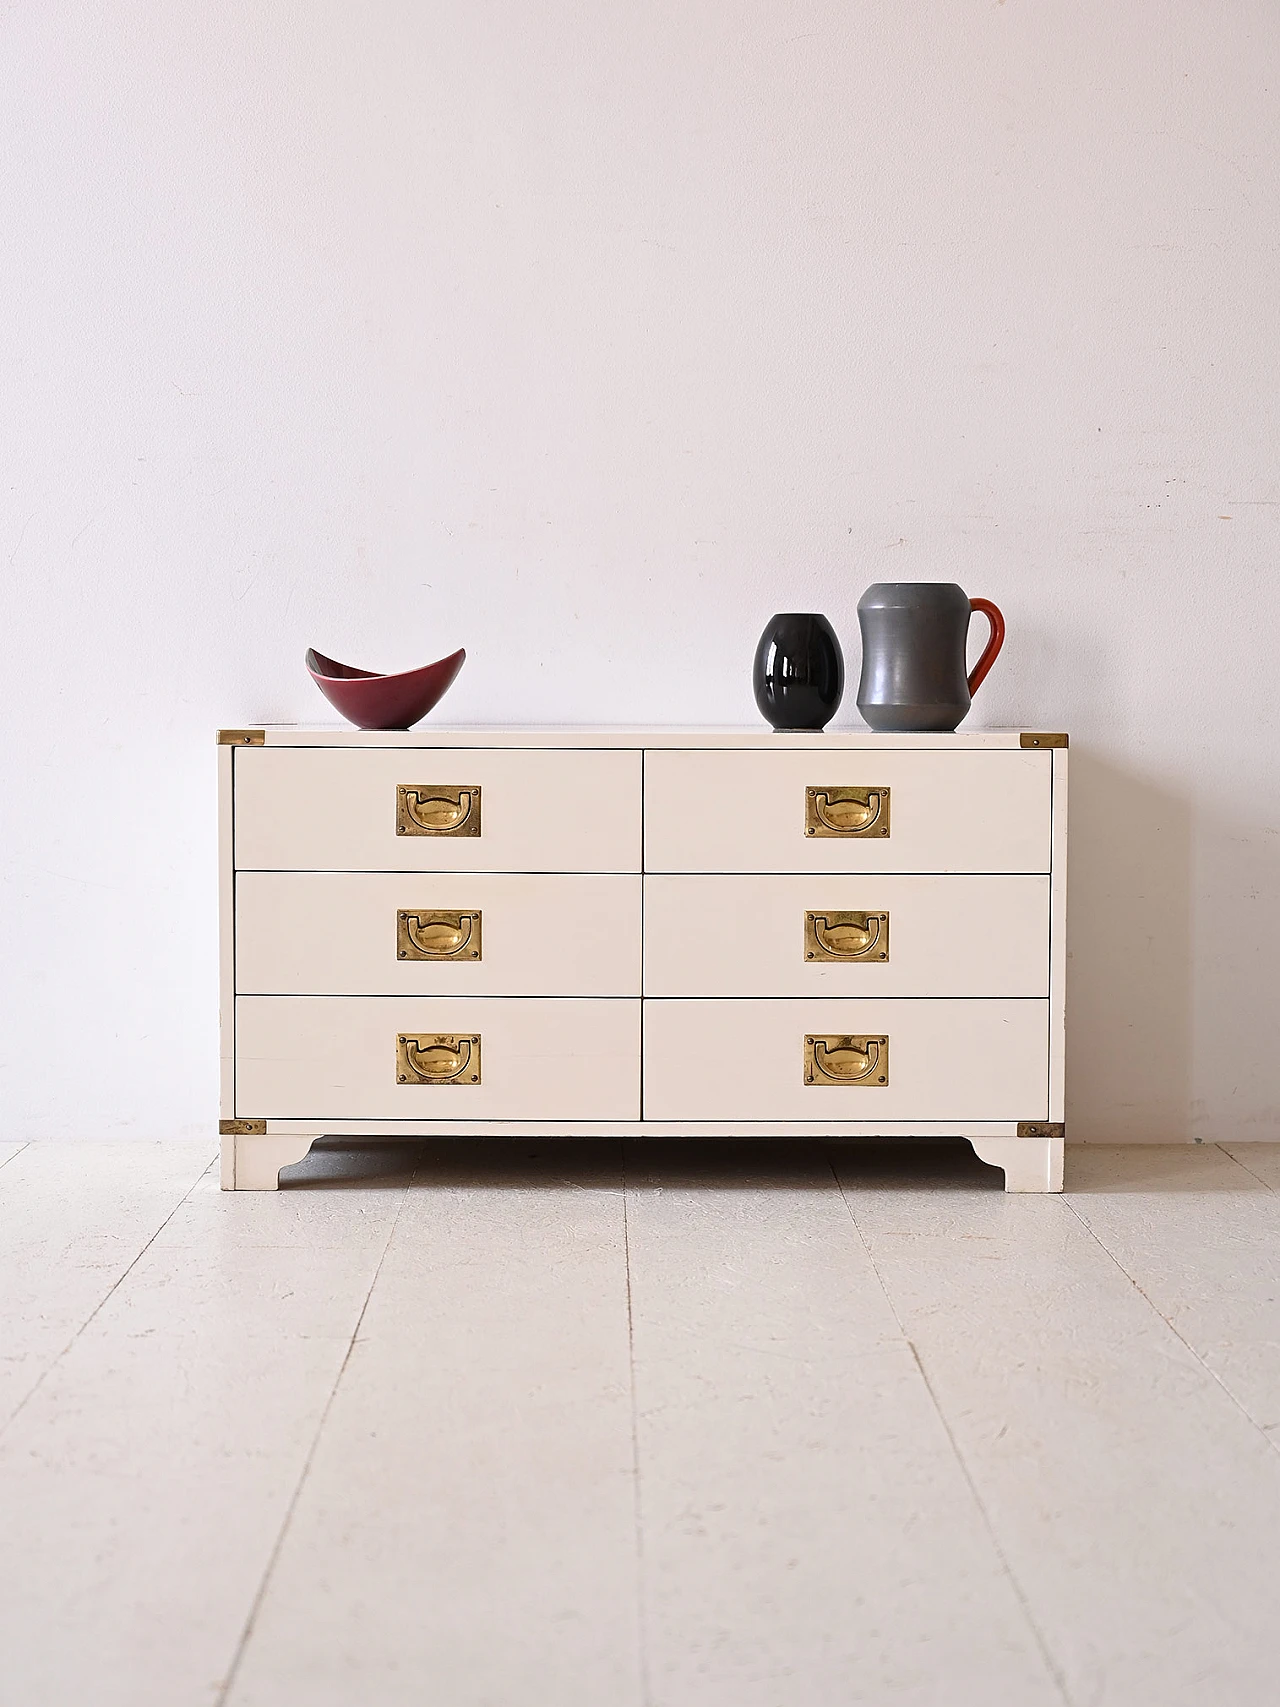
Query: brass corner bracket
point(242, 737)
point(1038, 740)
point(1041, 1129)
point(242, 1129)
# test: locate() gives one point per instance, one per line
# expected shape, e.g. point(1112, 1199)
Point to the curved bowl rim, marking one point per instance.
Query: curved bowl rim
point(322, 675)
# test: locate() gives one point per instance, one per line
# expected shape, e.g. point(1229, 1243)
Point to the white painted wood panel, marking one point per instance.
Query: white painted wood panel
point(948, 936)
point(335, 810)
point(311, 1057)
point(636, 736)
point(958, 810)
point(226, 934)
point(948, 1060)
point(334, 933)
point(365, 1128)
point(1058, 943)
point(964, 875)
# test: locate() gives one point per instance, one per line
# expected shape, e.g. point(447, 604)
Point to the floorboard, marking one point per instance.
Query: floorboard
point(808, 1534)
point(513, 1425)
point(1138, 1507)
point(73, 1218)
point(1199, 1234)
point(145, 1483)
point(466, 1535)
point(1261, 1160)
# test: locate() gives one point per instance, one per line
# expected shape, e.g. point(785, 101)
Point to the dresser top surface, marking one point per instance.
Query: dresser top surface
point(619, 736)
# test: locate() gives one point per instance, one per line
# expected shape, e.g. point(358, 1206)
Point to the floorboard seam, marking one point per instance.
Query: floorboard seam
point(16, 1153)
point(1051, 1665)
point(1147, 1299)
point(101, 1304)
point(1265, 1184)
point(278, 1547)
point(641, 1612)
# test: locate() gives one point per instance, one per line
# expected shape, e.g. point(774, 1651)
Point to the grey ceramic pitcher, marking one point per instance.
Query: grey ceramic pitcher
point(913, 654)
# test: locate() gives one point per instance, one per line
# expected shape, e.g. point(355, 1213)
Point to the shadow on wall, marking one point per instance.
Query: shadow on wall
point(1129, 1000)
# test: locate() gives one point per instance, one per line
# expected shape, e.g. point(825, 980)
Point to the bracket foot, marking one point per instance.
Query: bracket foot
point(252, 1162)
point(1030, 1164)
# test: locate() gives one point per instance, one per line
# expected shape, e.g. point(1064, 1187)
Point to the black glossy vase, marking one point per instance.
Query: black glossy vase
point(799, 672)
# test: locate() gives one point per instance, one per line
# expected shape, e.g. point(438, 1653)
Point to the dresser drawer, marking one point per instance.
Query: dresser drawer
point(436, 809)
point(865, 810)
point(360, 933)
point(436, 1058)
point(966, 1061)
point(846, 936)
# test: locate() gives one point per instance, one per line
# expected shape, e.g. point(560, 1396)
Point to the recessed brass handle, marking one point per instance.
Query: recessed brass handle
point(437, 1058)
point(437, 809)
point(846, 936)
point(439, 934)
point(846, 1061)
point(846, 811)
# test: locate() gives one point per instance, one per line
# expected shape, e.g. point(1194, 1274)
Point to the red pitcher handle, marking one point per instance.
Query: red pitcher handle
point(991, 651)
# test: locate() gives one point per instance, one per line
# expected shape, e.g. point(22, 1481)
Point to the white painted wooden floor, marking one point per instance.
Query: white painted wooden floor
point(541, 1425)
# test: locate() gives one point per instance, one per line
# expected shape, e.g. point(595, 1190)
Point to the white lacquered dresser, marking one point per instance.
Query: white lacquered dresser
point(622, 932)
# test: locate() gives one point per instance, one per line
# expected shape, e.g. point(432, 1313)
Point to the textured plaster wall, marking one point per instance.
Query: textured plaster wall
point(588, 336)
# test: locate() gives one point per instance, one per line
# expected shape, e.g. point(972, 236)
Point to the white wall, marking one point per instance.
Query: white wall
point(588, 336)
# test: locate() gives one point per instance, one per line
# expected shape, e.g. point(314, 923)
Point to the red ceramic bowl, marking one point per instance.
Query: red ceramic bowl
point(371, 701)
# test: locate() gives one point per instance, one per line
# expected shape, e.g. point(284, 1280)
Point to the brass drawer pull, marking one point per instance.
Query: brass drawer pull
point(846, 1061)
point(440, 934)
point(846, 811)
point(846, 936)
point(437, 809)
point(438, 1058)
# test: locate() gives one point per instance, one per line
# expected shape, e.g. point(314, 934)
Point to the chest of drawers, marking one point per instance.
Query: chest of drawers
point(612, 932)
